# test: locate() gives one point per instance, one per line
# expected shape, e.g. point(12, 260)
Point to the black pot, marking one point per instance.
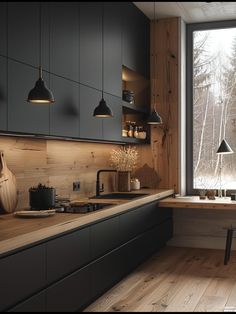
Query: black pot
point(42, 198)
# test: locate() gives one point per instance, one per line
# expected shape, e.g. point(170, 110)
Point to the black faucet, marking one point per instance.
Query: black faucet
point(98, 188)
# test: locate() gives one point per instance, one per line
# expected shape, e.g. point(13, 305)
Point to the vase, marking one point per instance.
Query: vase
point(124, 181)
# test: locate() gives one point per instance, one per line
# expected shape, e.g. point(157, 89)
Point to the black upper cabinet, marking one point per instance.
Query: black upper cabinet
point(91, 44)
point(112, 126)
point(23, 116)
point(135, 39)
point(3, 94)
point(113, 48)
point(24, 33)
point(64, 114)
point(64, 39)
point(3, 28)
point(90, 126)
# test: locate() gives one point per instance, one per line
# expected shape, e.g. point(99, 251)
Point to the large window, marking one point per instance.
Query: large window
point(211, 104)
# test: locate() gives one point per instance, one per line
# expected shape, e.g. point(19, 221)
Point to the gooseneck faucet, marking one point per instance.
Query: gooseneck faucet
point(98, 188)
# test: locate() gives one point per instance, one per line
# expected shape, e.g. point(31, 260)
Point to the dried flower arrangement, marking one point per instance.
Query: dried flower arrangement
point(124, 158)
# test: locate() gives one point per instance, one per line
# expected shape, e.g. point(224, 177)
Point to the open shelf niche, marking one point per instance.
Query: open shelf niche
point(139, 110)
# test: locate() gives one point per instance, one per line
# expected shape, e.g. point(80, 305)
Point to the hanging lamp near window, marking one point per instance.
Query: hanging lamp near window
point(40, 94)
point(102, 110)
point(154, 117)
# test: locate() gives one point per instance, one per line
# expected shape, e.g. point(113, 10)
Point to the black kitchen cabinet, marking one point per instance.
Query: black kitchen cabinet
point(91, 44)
point(135, 39)
point(105, 236)
point(67, 254)
point(112, 126)
point(64, 113)
point(3, 94)
point(90, 126)
point(24, 33)
point(69, 294)
point(113, 48)
point(22, 274)
point(3, 28)
point(64, 39)
point(35, 304)
point(25, 117)
point(105, 272)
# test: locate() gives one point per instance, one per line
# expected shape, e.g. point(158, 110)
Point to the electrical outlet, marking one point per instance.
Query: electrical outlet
point(76, 186)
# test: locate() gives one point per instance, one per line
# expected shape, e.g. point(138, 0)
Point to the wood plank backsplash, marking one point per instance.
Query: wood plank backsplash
point(56, 163)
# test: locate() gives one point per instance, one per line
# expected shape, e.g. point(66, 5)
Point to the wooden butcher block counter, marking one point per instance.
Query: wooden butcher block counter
point(16, 233)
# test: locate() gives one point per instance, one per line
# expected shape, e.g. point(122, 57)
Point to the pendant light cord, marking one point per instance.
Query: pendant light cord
point(154, 55)
point(40, 40)
point(102, 47)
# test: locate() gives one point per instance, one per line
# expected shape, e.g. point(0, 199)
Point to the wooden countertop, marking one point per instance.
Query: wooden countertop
point(195, 202)
point(16, 233)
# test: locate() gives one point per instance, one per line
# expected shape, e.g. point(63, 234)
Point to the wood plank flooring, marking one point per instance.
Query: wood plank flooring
point(175, 280)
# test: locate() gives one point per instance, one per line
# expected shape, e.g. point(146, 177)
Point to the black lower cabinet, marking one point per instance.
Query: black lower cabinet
point(71, 293)
point(67, 273)
point(105, 273)
point(35, 304)
point(22, 275)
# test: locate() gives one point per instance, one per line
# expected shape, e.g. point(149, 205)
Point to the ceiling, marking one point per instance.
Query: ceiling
point(191, 12)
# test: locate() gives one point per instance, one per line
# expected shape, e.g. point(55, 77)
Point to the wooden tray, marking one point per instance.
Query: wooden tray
point(35, 213)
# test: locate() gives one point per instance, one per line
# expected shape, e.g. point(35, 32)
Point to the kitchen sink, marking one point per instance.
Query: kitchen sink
point(126, 196)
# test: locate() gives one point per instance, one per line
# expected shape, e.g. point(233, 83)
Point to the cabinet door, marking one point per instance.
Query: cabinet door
point(3, 28)
point(23, 116)
point(35, 304)
point(154, 215)
point(64, 39)
point(104, 237)
point(24, 33)
point(105, 272)
point(135, 41)
point(69, 294)
point(64, 114)
point(22, 274)
point(3, 94)
point(91, 44)
point(112, 48)
point(90, 126)
point(112, 126)
point(67, 253)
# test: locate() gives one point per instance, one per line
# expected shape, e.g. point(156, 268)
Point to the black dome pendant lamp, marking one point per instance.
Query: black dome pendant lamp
point(102, 110)
point(40, 94)
point(154, 117)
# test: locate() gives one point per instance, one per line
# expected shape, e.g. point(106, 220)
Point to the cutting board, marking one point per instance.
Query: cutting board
point(8, 189)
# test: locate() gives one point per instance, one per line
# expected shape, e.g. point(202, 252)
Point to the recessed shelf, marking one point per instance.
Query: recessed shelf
point(133, 140)
point(133, 109)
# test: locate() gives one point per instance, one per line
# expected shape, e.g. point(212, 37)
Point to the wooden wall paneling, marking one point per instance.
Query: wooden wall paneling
point(202, 228)
point(57, 164)
point(163, 155)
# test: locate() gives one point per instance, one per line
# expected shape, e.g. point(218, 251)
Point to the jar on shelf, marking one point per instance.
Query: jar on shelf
point(142, 134)
point(130, 129)
point(136, 131)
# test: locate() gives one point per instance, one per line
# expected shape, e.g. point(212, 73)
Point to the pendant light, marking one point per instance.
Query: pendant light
point(102, 110)
point(154, 117)
point(40, 94)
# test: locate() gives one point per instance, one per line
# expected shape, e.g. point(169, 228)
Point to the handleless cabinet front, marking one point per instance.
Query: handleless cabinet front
point(104, 237)
point(3, 94)
point(22, 275)
point(91, 44)
point(64, 39)
point(67, 254)
point(3, 28)
point(23, 116)
point(35, 304)
point(69, 294)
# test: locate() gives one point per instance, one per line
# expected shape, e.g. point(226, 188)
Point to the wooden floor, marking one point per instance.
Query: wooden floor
point(175, 280)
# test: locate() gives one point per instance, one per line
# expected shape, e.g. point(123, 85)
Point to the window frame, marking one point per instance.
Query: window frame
point(190, 28)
